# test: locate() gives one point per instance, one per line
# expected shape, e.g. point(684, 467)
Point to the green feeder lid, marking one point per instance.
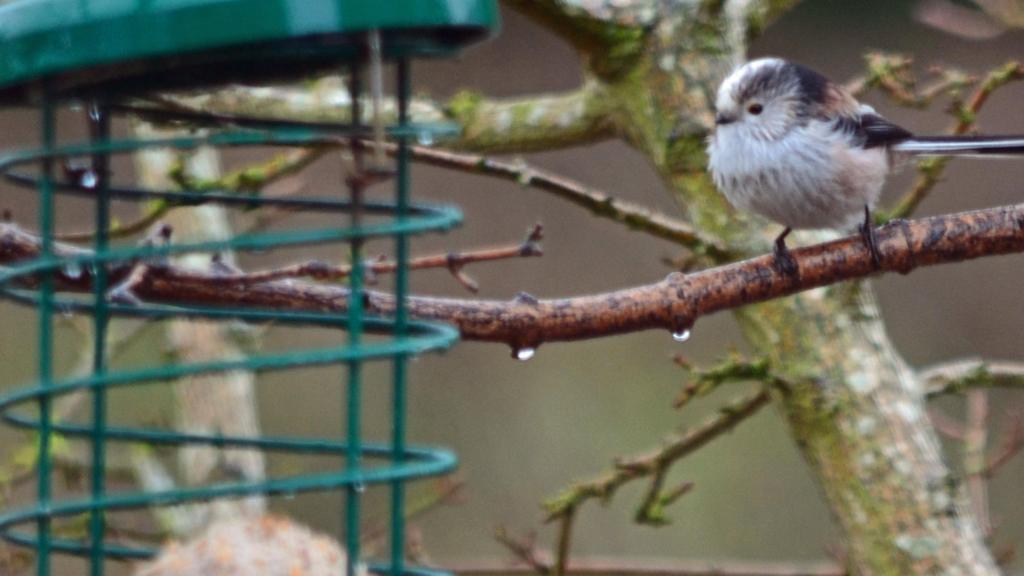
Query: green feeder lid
point(130, 45)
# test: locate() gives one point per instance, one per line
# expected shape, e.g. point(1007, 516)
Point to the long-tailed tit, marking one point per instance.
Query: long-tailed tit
point(794, 147)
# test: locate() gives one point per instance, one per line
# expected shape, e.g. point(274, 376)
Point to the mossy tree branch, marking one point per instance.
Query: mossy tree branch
point(531, 123)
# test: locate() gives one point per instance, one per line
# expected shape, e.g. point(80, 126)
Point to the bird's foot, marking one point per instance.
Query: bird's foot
point(784, 261)
point(868, 235)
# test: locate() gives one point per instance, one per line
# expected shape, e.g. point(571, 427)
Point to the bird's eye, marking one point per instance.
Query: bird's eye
point(755, 109)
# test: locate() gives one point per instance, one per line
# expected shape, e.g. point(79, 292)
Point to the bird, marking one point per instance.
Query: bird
point(795, 147)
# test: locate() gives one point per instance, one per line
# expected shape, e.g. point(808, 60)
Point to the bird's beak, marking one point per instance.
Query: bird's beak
point(721, 119)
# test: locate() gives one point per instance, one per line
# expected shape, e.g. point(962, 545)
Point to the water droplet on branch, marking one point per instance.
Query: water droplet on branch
point(72, 270)
point(88, 179)
point(524, 354)
point(681, 335)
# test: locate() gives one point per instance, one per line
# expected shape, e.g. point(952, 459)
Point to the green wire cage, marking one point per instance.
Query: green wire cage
point(102, 56)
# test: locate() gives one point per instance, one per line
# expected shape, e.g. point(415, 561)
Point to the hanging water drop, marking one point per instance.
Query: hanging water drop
point(360, 487)
point(94, 113)
point(681, 335)
point(88, 179)
point(72, 270)
point(524, 354)
point(425, 138)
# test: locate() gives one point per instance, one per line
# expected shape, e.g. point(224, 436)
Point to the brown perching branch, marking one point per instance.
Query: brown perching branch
point(673, 304)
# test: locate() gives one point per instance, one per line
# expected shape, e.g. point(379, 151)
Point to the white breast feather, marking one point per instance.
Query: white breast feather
point(813, 177)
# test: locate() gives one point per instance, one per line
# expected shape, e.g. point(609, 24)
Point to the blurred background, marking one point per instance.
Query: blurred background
point(524, 430)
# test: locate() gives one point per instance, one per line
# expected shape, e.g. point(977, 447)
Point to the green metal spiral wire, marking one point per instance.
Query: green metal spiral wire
point(42, 283)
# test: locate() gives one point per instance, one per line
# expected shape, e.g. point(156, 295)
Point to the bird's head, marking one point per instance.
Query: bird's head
point(767, 98)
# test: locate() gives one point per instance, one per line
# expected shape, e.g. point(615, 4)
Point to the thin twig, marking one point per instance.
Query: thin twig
point(127, 532)
point(931, 169)
point(152, 215)
point(445, 491)
point(454, 262)
point(891, 74)
point(21, 466)
point(251, 179)
point(599, 203)
point(564, 545)
point(731, 370)
point(254, 178)
point(975, 448)
point(655, 465)
point(524, 550)
point(960, 375)
point(1012, 444)
point(947, 426)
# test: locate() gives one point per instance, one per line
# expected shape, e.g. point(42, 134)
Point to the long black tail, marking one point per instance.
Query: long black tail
point(962, 145)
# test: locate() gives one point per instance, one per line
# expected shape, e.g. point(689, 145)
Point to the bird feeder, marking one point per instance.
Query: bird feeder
point(109, 58)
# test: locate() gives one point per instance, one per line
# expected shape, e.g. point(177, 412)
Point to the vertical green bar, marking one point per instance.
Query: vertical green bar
point(401, 320)
point(49, 138)
point(355, 329)
point(99, 118)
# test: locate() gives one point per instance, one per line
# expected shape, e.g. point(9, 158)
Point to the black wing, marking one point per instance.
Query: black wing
point(878, 131)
